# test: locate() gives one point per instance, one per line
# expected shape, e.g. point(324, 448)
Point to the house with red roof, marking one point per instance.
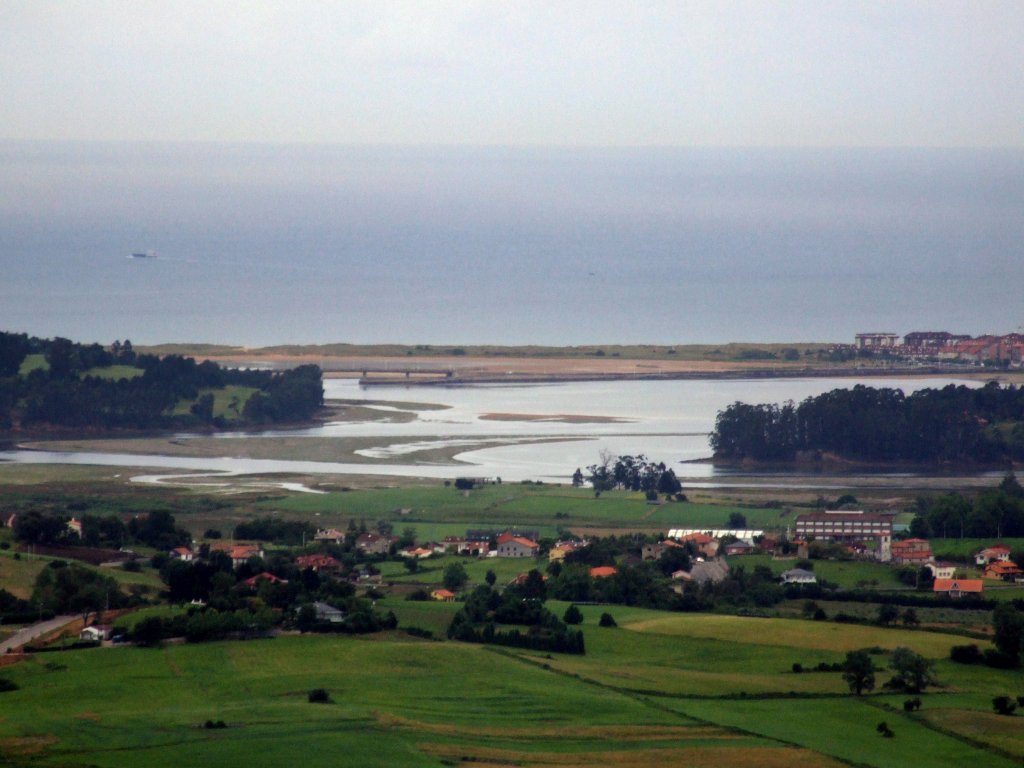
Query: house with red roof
point(737, 548)
point(995, 552)
point(462, 545)
point(254, 581)
point(1007, 570)
point(957, 588)
point(911, 552)
point(318, 563)
point(510, 545)
point(562, 548)
point(184, 554)
point(239, 553)
point(443, 596)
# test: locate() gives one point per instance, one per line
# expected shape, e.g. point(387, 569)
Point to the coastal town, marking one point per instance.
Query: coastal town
point(945, 347)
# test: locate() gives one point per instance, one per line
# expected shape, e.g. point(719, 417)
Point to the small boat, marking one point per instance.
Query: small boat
point(144, 255)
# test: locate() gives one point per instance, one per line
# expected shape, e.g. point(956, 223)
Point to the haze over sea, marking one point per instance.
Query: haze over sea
point(268, 244)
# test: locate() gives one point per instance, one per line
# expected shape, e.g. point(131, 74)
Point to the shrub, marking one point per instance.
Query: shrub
point(798, 667)
point(214, 725)
point(966, 654)
point(912, 705)
point(607, 620)
point(572, 615)
point(319, 696)
point(1000, 660)
point(1003, 705)
point(7, 685)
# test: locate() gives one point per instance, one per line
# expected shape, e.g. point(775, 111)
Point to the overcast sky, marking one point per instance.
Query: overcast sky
point(688, 72)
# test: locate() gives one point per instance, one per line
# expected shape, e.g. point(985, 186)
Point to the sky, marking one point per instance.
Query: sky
point(936, 73)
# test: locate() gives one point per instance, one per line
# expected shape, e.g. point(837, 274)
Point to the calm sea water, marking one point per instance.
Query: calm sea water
point(275, 244)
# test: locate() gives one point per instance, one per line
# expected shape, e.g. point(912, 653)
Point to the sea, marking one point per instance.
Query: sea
point(274, 244)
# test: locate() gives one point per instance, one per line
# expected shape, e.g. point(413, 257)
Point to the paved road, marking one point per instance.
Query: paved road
point(31, 632)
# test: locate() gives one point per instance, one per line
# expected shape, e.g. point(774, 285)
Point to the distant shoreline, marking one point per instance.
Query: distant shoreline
point(442, 366)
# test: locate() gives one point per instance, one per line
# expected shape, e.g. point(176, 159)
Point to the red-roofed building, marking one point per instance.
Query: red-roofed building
point(516, 546)
point(995, 552)
point(911, 552)
point(317, 563)
point(239, 553)
point(182, 553)
point(1002, 569)
point(563, 548)
point(706, 545)
point(443, 595)
point(265, 576)
point(463, 546)
point(603, 571)
point(957, 588)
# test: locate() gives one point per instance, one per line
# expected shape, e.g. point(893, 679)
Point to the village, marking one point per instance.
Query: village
point(366, 560)
point(945, 347)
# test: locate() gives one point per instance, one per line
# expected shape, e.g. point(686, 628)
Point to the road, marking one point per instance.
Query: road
point(31, 632)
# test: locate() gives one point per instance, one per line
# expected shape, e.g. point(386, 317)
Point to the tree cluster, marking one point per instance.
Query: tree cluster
point(996, 512)
point(66, 392)
point(287, 532)
point(516, 617)
point(951, 424)
point(631, 473)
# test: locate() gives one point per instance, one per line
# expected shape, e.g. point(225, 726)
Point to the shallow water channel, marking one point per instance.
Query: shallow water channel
point(665, 420)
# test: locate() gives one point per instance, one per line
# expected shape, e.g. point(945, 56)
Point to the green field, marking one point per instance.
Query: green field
point(848, 574)
point(661, 689)
point(228, 402)
point(33, 362)
point(114, 372)
point(436, 511)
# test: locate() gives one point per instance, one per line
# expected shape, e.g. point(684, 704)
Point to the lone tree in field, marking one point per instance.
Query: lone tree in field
point(455, 576)
point(859, 672)
point(913, 671)
point(573, 615)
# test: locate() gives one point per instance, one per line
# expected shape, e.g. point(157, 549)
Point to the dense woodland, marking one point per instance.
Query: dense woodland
point(92, 387)
point(952, 424)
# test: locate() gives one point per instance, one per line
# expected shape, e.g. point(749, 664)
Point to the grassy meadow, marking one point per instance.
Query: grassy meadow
point(436, 511)
point(700, 689)
point(697, 690)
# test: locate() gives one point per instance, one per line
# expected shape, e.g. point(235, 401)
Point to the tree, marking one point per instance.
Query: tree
point(573, 615)
point(859, 672)
point(455, 576)
point(1008, 626)
point(736, 521)
point(577, 478)
point(1003, 705)
point(913, 671)
point(607, 620)
point(887, 614)
point(909, 618)
point(490, 578)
